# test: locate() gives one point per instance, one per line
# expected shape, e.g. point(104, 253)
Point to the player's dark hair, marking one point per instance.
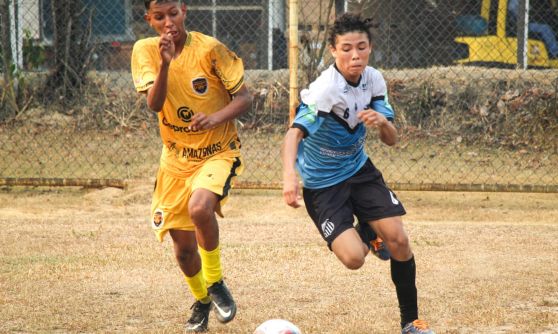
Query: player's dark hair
point(351, 22)
point(148, 2)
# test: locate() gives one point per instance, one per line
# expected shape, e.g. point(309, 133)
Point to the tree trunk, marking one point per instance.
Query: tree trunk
point(8, 100)
point(72, 25)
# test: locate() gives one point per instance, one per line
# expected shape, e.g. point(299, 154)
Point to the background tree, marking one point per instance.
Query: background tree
point(8, 100)
point(72, 47)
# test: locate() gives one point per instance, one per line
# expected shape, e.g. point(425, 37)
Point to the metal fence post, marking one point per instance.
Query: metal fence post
point(522, 34)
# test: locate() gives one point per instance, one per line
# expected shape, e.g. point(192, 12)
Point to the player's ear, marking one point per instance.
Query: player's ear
point(332, 50)
point(147, 18)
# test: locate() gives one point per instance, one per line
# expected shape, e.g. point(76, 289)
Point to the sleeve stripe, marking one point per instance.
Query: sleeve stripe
point(378, 98)
point(237, 86)
point(145, 86)
point(300, 127)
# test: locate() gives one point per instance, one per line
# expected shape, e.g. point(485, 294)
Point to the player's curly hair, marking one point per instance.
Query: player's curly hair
point(351, 22)
point(147, 3)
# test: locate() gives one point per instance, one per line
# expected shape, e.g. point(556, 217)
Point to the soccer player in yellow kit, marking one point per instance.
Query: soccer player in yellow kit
point(196, 86)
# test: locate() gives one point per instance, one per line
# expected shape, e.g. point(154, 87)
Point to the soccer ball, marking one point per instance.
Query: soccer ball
point(277, 326)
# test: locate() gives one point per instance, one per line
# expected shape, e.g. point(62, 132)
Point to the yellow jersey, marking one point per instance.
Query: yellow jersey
point(201, 80)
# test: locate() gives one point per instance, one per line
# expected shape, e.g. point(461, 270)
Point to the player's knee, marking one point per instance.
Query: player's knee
point(353, 262)
point(199, 212)
point(397, 242)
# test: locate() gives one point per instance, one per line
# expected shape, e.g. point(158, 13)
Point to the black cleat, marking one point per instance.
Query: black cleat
point(200, 316)
point(225, 307)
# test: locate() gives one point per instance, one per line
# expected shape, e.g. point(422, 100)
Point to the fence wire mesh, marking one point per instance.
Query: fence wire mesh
point(475, 92)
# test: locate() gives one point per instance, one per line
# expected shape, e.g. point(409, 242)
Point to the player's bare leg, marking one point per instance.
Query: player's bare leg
point(189, 261)
point(186, 251)
point(394, 236)
point(349, 249)
point(202, 207)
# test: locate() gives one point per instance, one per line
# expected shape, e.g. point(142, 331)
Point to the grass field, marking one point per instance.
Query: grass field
point(85, 261)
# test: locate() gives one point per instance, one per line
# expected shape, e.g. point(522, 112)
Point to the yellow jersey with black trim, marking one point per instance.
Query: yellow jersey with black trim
point(201, 80)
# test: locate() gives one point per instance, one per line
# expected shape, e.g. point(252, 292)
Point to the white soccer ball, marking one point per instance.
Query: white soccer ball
point(277, 326)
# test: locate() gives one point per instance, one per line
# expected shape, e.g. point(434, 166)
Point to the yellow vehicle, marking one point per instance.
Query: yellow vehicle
point(494, 41)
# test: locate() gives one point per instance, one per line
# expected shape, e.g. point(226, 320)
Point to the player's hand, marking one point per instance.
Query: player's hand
point(201, 121)
point(372, 118)
point(166, 48)
point(291, 190)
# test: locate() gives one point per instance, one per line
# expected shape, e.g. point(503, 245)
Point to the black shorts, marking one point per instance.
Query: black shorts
point(364, 195)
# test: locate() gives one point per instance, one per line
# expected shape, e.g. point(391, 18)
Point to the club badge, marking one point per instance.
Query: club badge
point(200, 85)
point(158, 219)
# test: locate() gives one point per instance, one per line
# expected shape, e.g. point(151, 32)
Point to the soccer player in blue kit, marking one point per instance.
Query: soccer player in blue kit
point(325, 144)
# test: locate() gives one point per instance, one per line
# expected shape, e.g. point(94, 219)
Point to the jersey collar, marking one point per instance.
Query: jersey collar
point(188, 39)
point(350, 83)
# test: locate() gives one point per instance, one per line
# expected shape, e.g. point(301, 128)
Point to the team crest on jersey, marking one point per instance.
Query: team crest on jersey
point(185, 114)
point(200, 85)
point(158, 219)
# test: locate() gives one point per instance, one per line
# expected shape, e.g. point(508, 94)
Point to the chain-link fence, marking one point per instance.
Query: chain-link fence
point(475, 93)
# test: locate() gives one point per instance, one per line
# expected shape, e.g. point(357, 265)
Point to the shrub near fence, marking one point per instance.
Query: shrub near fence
point(462, 127)
point(454, 134)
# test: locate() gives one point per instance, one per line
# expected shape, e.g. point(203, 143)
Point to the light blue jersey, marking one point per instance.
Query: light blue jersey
point(333, 146)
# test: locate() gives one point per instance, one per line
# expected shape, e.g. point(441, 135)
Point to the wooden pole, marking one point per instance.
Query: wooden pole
point(293, 58)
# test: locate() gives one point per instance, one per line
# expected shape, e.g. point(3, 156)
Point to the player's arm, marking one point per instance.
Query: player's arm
point(240, 103)
point(157, 94)
point(388, 133)
point(386, 130)
point(289, 150)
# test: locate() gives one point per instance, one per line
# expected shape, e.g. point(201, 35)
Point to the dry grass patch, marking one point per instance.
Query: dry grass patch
point(77, 260)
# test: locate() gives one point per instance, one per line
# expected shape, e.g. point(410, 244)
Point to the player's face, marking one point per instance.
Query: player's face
point(167, 18)
point(351, 53)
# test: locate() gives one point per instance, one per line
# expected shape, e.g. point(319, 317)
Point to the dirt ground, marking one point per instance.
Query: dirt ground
point(77, 260)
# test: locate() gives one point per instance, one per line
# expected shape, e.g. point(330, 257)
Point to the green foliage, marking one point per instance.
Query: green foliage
point(33, 53)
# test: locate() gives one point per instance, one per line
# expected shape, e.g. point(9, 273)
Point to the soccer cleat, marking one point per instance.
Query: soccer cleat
point(378, 248)
point(200, 316)
point(225, 307)
point(373, 241)
point(417, 327)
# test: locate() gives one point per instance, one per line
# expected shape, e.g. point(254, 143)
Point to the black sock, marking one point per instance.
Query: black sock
point(403, 275)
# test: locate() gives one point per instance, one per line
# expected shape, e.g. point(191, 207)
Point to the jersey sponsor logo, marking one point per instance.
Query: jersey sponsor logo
point(200, 85)
point(185, 114)
point(158, 219)
point(202, 152)
point(327, 227)
point(354, 149)
point(176, 128)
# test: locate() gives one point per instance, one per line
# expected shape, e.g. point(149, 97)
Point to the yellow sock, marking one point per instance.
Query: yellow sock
point(197, 286)
point(211, 265)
